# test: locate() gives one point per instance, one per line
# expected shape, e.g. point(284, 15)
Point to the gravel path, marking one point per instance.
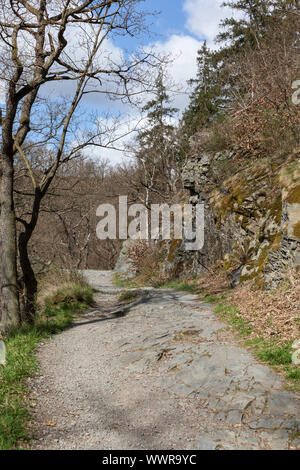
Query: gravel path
point(165, 374)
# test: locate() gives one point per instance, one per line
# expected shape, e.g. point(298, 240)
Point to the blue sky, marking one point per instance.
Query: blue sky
point(169, 20)
point(179, 29)
point(195, 18)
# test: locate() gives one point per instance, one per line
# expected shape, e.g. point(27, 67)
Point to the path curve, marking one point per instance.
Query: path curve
point(163, 375)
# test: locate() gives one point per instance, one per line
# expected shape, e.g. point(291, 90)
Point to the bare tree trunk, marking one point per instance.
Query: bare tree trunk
point(10, 315)
point(10, 308)
point(29, 279)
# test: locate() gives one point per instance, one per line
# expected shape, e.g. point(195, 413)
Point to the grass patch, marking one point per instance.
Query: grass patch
point(232, 316)
point(119, 281)
point(129, 296)
point(271, 352)
point(294, 435)
point(293, 373)
point(211, 299)
point(179, 284)
point(69, 298)
point(21, 364)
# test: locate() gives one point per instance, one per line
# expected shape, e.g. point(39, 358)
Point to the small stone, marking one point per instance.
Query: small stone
point(296, 344)
point(2, 353)
point(296, 357)
point(234, 417)
point(292, 424)
point(266, 423)
point(221, 416)
point(240, 401)
point(282, 403)
point(225, 435)
point(277, 440)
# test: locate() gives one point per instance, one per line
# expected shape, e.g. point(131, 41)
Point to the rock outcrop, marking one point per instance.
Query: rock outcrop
point(252, 217)
point(124, 267)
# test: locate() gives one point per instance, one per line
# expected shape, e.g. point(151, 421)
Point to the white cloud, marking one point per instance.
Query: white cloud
point(204, 17)
point(183, 50)
point(81, 39)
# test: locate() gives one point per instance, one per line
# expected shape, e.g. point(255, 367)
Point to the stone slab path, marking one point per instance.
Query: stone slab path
point(163, 374)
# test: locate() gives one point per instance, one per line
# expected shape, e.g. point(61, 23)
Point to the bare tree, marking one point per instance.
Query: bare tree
point(69, 211)
point(35, 39)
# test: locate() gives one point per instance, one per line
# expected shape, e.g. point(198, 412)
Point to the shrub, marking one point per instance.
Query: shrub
point(146, 257)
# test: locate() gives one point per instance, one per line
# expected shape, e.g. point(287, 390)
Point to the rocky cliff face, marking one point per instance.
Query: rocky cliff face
point(124, 267)
point(252, 217)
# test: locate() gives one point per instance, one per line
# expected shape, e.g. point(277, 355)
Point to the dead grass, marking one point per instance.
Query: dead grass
point(146, 258)
point(57, 279)
point(272, 315)
point(214, 282)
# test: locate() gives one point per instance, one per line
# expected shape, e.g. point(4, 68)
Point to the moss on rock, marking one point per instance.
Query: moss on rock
point(293, 196)
point(277, 242)
point(297, 230)
point(174, 245)
point(276, 209)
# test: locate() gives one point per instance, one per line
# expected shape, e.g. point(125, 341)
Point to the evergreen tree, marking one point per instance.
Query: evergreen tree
point(157, 151)
point(249, 26)
point(159, 114)
point(205, 100)
point(254, 18)
point(215, 81)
